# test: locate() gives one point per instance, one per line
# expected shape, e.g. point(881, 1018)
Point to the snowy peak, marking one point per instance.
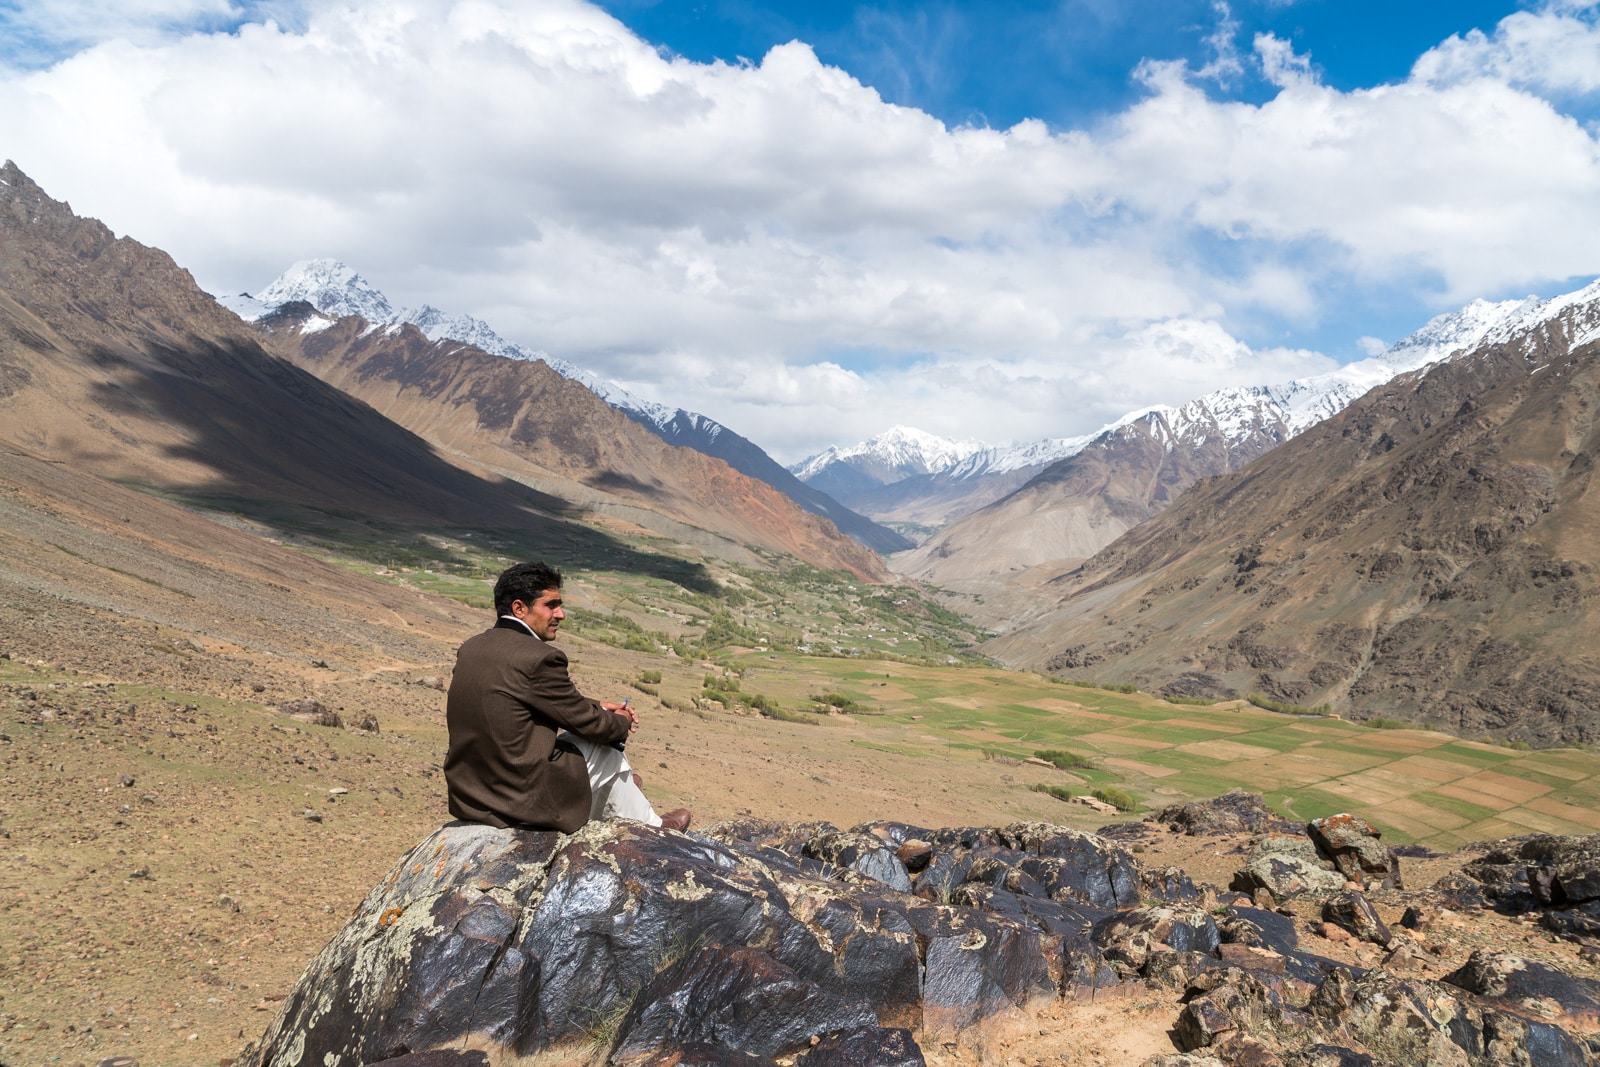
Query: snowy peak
point(330, 287)
point(899, 452)
point(335, 289)
point(1456, 330)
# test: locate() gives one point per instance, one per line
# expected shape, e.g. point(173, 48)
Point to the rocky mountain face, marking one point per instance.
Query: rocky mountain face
point(336, 290)
point(769, 942)
point(1429, 553)
point(522, 419)
point(112, 360)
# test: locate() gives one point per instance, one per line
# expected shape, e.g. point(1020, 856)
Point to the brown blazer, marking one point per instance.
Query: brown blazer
point(509, 697)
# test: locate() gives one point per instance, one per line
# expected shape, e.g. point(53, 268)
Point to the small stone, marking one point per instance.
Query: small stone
point(338, 791)
point(313, 816)
point(127, 781)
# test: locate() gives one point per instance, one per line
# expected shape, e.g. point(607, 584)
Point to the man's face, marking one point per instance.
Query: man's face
point(543, 616)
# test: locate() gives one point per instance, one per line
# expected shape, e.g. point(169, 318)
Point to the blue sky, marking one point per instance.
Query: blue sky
point(990, 221)
point(1068, 63)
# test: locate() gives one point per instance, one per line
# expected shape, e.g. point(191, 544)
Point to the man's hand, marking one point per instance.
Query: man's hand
point(624, 708)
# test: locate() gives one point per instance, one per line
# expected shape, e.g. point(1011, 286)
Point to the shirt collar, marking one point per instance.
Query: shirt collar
point(524, 625)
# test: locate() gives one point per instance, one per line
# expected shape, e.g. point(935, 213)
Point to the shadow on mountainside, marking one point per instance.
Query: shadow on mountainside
point(299, 456)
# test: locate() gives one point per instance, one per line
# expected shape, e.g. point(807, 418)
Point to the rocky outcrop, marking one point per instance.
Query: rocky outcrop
point(811, 945)
point(763, 941)
point(1234, 812)
point(1554, 876)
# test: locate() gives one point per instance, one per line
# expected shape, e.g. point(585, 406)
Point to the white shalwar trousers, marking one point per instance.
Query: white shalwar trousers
point(611, 781)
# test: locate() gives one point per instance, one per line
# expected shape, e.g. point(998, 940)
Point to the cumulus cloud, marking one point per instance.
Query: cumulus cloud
point(1555, 49)
point(773, 244)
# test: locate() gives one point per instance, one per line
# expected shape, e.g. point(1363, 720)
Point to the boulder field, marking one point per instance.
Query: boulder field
point(761, 943)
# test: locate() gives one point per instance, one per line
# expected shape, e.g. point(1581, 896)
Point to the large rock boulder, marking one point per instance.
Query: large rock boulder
point(1353, 845)
point(1286, 865)
point(1234, 812)
point(652, 946)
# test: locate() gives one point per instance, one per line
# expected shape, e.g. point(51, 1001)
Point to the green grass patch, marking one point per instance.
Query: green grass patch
point(1479, 757)
point(1456, 806)
point(1304, 803)
point(1184, 761)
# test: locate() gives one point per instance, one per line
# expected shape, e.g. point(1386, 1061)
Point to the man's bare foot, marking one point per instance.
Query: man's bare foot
point(677, 820)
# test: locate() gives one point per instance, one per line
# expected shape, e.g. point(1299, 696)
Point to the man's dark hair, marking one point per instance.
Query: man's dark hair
point(524, 582)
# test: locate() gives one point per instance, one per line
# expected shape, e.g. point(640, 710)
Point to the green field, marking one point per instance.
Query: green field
point(1416, 785)
point(788, 632)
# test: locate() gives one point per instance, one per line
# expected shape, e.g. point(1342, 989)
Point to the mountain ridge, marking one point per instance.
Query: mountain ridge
point(908, 475)
point(335, 289)
point(525, 421)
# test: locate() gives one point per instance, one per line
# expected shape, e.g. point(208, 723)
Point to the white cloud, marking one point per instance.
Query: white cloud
point(774, 245)
point(1556, 49)
point(1224, 66)
point(1279, 63)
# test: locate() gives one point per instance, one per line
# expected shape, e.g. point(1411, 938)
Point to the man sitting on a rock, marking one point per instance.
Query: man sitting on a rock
point(526, 748)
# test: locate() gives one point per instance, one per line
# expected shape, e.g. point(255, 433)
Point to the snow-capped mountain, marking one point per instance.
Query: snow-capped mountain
point(910, 475)
point(1130, 472)
point(898, 452)
point(335, 290)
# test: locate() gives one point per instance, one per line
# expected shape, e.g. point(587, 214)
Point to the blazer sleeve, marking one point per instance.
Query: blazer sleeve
point(551, 692)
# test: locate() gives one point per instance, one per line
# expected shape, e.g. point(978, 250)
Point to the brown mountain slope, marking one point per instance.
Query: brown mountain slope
point(524, 420)
point(1431, 553)
point(112, 359)
point(1079, 505)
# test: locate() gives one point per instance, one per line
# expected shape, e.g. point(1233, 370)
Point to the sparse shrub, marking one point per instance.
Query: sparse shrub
point(771, 709)
point(1120, 799)
point(650, 689)
point(1112, 687)
point(717, 683)
point(1060, 792)
point(1380, 723)
point(838, 700)
point(1201, 702)
point(1285, 708)
point(1520, 746)
point(650, 677)
point(1064, 760)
